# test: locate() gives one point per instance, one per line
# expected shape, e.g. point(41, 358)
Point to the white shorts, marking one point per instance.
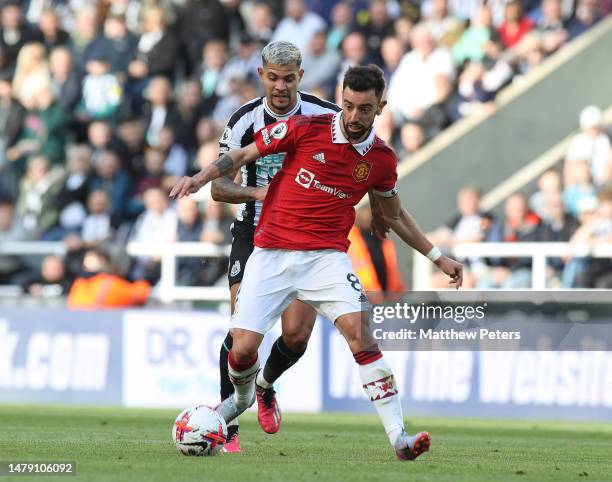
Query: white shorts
point(273, 278)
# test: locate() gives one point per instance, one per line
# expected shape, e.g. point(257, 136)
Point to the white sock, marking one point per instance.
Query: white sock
point(261, 381)
point(379, 386)
point(243, 380)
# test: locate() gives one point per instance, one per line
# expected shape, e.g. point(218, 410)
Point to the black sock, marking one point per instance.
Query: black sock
point(281, 358)
point(226, 385)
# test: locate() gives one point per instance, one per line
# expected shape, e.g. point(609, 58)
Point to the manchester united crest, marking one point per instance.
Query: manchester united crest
point(362, 171)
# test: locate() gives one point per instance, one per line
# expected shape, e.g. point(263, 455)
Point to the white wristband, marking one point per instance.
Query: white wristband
point(434, 254)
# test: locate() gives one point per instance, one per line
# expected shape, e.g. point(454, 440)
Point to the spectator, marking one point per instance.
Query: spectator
point(471, 225)
point(515, 24)
point(585, 17)
point(176, 159)
point(216, 230)
point(72, 196)
point(84, 33)
point(464, 9)
point(214, 57)
point(299, 24)
point(153, 174)
point(378, 27)
point(354, 52)
point(341, 20)
point(207, 130)
point(45, 130)
point(403, 31)
point(101, 139)
point(51, 280)
point(559, 226)
point(97, 287)
point(261, 22)
point(444, 27)
point(391, 51)
point(192, 108)
point(97, 225)
point(161, 111)
point(374, 259)
point(207, 154)
point(11, 230)
point(199, 22)
point(549, 185)
point(591, 144)
point(441, 113)
point(581, 189)
point(111, 177)
point(12, 115)
point(412, 137)
point(130, 133)
point(14, 33)
point(551, 26)
point(37, 202)
point(31, 74)
point(65, 82)
point(102, 91)
point(157, 224)
point(320, 65)
point(520, 225)
point(116, 45)
point(240, 90)
point(189, 229)
point(474, 92)
point(244, 64)
point(412, 87)
point(478, 41)
point(597, 272)
point(157, 48)
point(52, 33)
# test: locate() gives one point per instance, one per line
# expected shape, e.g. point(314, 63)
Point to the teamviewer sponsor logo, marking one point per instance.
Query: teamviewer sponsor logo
point(307, 179)
point(334, 191)
point(304, 178)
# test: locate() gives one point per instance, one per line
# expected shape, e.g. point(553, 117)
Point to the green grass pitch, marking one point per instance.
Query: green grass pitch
point(135, 445)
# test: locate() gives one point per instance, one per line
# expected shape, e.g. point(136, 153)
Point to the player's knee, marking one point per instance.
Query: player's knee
point(243, 351)
point(297, 341)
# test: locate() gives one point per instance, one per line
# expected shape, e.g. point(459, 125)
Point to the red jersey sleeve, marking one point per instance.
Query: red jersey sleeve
point(277, 137)
point(387, 186)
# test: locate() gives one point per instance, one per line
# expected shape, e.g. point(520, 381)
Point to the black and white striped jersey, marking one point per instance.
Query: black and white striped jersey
point(239, 132)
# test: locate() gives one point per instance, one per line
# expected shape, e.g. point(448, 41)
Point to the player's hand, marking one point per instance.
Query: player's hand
point(452, 268)
point(183, 187)
point(379, 227)
point(259, 193)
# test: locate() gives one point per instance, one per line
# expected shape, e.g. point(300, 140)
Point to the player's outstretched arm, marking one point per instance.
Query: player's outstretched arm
point(228, 189)
point(226, 164)
point(402, 223)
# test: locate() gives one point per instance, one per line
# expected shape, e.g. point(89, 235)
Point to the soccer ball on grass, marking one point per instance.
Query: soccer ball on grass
point(199, 431)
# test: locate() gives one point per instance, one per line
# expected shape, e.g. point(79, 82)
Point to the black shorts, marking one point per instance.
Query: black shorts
point(242, 247)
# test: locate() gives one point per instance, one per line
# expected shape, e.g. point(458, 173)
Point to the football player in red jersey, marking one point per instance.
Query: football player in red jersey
point(280, 74)
point(332, 161)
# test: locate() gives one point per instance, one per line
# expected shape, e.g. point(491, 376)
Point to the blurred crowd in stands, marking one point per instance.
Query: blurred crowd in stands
point(571, 204)
point(103, 103)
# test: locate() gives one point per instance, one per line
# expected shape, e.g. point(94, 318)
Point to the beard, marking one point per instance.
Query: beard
point(358, 132)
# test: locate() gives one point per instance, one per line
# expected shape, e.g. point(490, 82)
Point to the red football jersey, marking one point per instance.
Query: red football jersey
point(310, 202)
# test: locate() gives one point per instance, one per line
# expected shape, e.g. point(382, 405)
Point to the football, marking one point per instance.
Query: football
point(199, 431)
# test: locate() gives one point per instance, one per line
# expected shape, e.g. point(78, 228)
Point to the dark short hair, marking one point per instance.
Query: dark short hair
point(365, 77)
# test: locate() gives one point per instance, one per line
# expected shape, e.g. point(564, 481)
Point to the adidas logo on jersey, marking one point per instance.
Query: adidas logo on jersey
point(319, 157)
